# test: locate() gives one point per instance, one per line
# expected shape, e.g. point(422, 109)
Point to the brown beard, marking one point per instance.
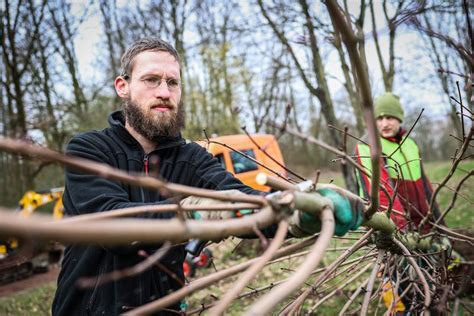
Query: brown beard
point(154, 127)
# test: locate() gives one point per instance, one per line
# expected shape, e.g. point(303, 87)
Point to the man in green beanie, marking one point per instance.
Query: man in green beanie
point(400, 164)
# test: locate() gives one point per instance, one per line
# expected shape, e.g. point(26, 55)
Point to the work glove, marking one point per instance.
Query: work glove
point(348, 214)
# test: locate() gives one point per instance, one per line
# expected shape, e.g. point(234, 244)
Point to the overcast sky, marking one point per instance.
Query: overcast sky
point(415, 92)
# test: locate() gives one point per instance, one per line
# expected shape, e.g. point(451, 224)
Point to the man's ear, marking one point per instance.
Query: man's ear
point(121, 87)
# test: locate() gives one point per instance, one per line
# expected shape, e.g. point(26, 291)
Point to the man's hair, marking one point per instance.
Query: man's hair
point(153, 44)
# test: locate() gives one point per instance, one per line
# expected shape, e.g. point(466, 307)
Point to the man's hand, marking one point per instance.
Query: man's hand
point(348, 213)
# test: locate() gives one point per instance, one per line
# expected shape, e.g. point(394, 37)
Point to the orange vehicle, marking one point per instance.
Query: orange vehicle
point(242, 167)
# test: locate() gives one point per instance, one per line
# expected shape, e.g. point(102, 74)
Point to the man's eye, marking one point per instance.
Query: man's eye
point(152, 80)
point(172, 82)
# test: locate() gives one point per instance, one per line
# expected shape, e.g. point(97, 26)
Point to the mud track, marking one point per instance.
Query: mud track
point(31, 282)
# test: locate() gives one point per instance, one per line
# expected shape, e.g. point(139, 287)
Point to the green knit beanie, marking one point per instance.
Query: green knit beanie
point(388, 104)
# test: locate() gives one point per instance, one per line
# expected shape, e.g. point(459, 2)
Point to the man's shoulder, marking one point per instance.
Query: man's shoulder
point(95, 138)
point(194, 149)
point(92, 135)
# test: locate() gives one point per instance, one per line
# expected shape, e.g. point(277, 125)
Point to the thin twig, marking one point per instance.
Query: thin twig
point(269, 156)
point(464, 107)
point(368, 293)
point(463, 132)
point(107, 172)
point(253, 270)
point(448, 231)
point(415, 266)
point(87, 282)
point(405, 137)
point(353, 297)
point(455, 195)
point(251, 159)
point(456, 161)
point(210, 279)
point(348, 134)
point(459, 139)
point(131, 211)
point(333, 266)
point(340, 287)
point(267, 302)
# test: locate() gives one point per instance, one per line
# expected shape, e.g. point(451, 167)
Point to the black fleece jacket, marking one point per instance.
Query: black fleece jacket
point(175, 161)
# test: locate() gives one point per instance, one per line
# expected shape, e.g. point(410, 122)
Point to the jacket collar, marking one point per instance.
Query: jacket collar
point(117, 124)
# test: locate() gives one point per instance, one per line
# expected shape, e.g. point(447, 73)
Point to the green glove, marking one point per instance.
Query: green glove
point(348, 214)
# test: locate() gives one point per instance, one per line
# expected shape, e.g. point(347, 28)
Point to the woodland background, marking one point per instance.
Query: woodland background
point(243, 63)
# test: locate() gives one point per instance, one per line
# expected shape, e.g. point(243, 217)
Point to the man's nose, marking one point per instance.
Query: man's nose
point(162, 91)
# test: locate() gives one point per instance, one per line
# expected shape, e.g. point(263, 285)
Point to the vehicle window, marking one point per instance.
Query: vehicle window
point(241, 163)
point(221, 160)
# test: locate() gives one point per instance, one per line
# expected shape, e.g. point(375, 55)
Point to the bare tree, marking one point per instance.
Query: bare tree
point(320, 89)
point(446, 33)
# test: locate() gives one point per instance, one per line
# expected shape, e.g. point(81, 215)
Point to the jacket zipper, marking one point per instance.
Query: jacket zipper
point(145, 164)
point(145, 167)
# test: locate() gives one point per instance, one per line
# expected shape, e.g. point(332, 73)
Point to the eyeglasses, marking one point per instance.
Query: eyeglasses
point(155, 81)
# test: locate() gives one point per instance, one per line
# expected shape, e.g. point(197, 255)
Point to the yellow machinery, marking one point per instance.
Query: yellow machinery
point(17, 263)
point(31, 200)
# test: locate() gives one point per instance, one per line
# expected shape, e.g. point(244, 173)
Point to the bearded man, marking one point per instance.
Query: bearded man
point(142, 138)
point(146, 130)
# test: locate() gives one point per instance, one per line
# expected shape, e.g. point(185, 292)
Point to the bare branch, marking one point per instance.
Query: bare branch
point(250, 158)
point(107, 172)
point(207, 280)
point(407, 134)
point(123, 231)
point(88, 282)
point(330, 269)
point(456, 161)
point(351, 41)
point(132, 211)
point(267, 302)
point(415, 266)
point(340, 287)
point(368, 293)
point(455, 195)
point(270, 157)
point(253, 270)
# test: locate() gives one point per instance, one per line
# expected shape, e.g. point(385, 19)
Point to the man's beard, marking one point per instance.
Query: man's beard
point(154, 125)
